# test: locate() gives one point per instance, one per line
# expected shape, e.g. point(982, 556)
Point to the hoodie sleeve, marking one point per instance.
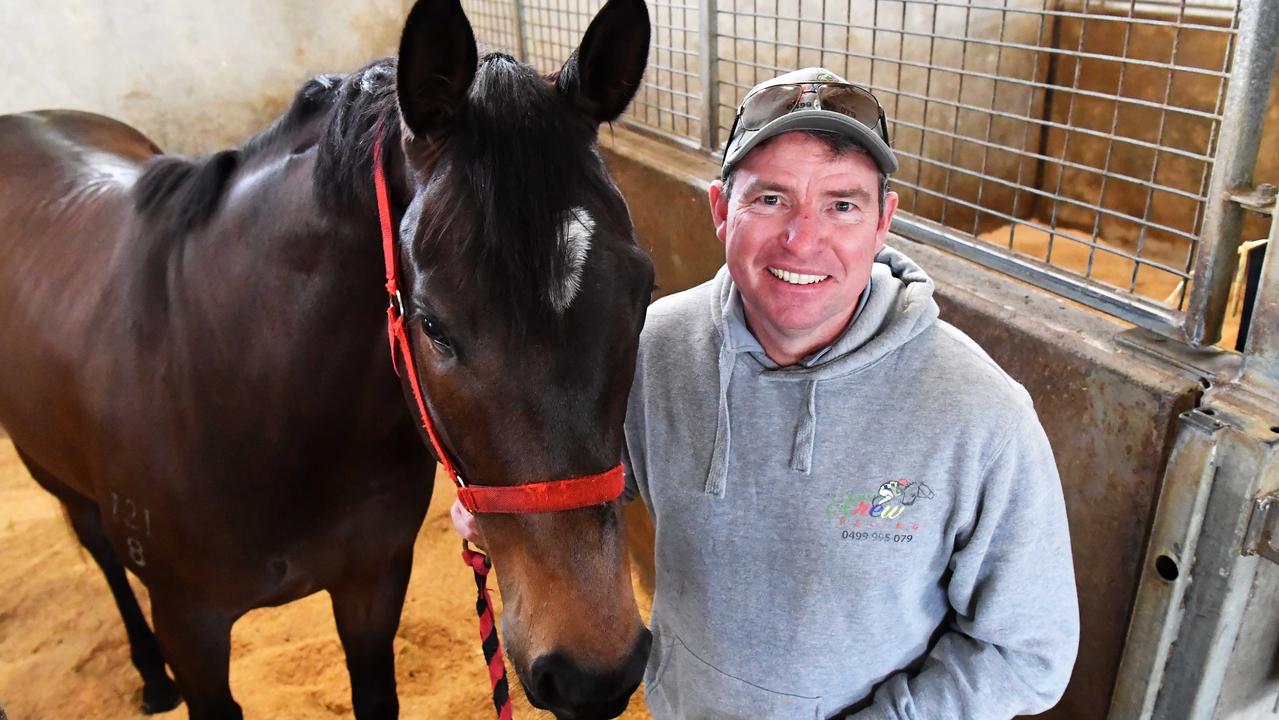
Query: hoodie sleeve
point(1015, 629)
point(633, 439)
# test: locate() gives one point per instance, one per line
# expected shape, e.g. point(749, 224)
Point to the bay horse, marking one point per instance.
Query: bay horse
point(196, 362)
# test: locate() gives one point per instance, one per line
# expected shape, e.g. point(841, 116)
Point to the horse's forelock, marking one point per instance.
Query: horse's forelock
point(519, 167)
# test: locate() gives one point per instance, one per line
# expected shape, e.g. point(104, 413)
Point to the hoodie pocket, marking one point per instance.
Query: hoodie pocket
point(685, 687)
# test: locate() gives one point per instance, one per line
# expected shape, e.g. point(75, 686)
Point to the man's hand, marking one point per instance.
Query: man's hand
point(464, 523)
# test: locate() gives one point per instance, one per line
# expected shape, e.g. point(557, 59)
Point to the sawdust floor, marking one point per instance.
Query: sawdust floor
point(63, 652)
point(1076, 253)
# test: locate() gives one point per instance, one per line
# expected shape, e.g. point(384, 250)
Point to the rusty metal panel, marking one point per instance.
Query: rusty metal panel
point(1210, 671)
point(1159, 609)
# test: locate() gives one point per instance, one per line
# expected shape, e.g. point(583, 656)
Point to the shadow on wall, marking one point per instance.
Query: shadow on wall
point(192, 76)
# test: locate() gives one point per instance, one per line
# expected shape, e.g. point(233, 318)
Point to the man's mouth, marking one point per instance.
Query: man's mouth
point(795, 278)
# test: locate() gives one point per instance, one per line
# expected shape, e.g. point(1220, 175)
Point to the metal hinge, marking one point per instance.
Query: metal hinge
point(1262, 537)
point(1259, 199)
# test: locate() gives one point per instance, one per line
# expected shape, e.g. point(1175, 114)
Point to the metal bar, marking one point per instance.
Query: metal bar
point(521, 43)
point(1159, 138)
point(959, 95)
point(1135, 310)
point(1252, 72)
point(676, 51)
point(990, 122)
point(1220, 593)
point(1158, 611)
point(1065, 145)
point(709, 57)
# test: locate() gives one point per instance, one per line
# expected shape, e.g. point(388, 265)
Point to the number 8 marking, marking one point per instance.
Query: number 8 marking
point(136, 553)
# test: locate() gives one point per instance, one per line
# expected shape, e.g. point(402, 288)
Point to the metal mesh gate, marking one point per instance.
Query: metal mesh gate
point(1070, 143)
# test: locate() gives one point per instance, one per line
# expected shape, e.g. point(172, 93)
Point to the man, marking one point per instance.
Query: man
point(857, 513)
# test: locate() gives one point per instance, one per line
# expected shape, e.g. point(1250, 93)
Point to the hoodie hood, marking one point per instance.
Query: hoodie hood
point(899, 308)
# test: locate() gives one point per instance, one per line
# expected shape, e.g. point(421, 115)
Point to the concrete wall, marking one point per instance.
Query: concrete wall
point(1109, 414)
point(192, 76)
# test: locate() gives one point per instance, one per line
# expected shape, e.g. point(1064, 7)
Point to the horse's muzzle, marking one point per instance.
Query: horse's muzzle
point(561, 686)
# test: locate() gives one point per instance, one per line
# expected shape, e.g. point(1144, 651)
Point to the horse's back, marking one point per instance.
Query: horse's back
point(83, 128)
point(65, 209)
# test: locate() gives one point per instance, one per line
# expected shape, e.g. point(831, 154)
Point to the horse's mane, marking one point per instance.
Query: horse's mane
point(178, 195)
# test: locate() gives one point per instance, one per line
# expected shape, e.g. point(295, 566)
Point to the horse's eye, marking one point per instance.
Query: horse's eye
point(433, 330)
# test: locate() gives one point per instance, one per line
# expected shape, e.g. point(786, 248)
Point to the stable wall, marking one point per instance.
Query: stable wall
point(194, 77)
point(1109, 414)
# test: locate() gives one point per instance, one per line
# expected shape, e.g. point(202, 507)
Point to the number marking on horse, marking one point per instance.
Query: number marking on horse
point(126, 512)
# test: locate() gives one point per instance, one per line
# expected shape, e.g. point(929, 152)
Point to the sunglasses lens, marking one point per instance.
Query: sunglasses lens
point(851, 101)
point(769, 104)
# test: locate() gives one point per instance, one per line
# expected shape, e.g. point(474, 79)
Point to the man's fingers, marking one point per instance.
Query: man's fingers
point(464, 522)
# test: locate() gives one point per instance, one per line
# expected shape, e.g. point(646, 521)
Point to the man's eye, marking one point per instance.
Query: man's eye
point(843, 206)
point(770, 199)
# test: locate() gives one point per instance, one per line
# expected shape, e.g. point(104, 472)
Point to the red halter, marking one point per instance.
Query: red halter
point(540, 497)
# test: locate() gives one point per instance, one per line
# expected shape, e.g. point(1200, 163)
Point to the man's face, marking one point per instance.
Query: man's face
point(800, 233)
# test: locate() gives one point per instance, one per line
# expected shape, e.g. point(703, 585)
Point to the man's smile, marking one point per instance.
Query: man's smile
point(796, 278)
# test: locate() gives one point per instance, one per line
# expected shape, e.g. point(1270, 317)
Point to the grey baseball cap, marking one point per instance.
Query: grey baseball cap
point(864, 134)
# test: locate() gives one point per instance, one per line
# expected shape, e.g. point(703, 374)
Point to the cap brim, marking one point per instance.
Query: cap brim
point(824, 120)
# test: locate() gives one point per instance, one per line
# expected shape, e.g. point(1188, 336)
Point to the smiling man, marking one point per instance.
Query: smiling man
point(857, 513)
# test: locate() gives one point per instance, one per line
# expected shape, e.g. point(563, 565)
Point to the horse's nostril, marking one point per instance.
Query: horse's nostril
point(549, 677)
point(559, 684)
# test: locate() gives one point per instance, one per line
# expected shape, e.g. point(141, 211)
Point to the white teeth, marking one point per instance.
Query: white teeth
point(796, 278)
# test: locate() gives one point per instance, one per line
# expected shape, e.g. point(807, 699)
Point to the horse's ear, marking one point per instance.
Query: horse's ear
point(604, 72)
point(436, 66)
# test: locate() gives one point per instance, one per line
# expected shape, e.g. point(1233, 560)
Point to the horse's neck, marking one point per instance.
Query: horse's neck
point(271, 254)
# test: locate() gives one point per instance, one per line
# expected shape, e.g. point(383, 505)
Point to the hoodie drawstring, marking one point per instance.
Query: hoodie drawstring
point(717, 478)
point(801, 457)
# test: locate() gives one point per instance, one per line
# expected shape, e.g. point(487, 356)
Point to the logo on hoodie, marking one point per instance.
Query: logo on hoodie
point(888, 508)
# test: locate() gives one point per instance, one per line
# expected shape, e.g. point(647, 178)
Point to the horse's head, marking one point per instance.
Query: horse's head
point(525, 292)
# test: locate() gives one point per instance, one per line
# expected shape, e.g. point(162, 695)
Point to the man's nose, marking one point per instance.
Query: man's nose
point(804, 231)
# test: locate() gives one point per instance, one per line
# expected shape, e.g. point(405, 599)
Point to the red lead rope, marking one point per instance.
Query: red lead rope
point(489, 641)
point(540, 497)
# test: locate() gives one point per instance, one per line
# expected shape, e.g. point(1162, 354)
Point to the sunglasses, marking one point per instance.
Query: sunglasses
point(767, 104)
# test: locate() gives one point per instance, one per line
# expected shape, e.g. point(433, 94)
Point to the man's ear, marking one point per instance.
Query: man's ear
point(719, 209)
point(885, 220)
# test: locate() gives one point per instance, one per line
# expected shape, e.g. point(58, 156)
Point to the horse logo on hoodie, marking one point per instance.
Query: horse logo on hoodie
point(903, 491)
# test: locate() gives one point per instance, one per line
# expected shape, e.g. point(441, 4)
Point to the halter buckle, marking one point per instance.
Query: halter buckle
point(397, 304)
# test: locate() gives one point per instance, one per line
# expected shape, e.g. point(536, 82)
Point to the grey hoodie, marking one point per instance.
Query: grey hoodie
point(879, 535)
